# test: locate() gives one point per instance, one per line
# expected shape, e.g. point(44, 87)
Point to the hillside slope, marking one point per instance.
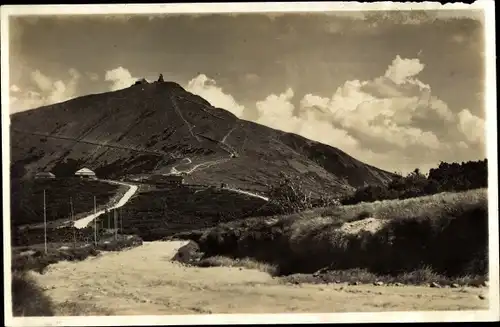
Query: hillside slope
point(152, 128)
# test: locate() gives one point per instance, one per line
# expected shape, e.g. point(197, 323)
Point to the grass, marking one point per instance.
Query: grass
point(38, 261)
point(419, 277)
point(248, 263)
point(446, 232)
point(30, 300)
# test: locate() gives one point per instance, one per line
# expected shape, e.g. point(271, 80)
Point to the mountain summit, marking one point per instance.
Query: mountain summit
point(160, 128)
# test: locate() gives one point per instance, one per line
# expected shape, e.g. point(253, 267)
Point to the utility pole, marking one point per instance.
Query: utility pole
point(95, 223)
point(121, 220)
point(73, 221)
point(115, 220)
point(45, 222)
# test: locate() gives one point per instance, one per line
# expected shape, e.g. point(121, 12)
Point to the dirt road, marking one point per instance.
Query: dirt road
point(83, 222)
point(143, 281)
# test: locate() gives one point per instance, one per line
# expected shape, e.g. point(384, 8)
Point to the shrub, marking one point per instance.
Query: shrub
point(248, 263)
point(188, 253)
point(447, 177)
point(28, 299)
point(290, 196)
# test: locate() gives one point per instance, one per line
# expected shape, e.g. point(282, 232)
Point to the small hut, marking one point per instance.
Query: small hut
point(44, 175)
point(85, 173)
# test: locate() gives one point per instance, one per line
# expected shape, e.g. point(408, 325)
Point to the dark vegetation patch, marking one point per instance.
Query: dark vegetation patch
point(67, 167)
point(448, 177)
point(421, 277)
point(29, 299)
point(447, 233)
point(157, 214)
point(18, 170)
point(27, 198)
point(188, 253)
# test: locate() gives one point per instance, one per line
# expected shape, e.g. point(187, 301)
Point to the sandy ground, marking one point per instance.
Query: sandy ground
point(143, 281)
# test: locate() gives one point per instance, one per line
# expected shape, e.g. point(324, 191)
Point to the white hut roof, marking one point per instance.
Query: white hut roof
point(84, 171)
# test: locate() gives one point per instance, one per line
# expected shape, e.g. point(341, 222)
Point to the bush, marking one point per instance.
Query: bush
point(188, 253)
point(290, 196)
point(248, 263)
point(446, 178)
point(28, 299)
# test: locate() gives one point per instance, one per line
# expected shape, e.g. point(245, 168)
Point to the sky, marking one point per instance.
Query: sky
point(397, 90)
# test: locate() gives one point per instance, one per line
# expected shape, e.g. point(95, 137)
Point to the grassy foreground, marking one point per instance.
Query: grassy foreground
point(446, 234)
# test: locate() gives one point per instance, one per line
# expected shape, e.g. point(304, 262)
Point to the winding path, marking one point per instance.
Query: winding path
point(82, 223)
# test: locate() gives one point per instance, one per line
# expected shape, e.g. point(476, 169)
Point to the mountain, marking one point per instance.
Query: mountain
point(159, 128)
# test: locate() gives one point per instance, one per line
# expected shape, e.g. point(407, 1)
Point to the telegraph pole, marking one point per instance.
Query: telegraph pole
point(44, 222)
point(73, 221)
point(115, 220)
point(95, 222)
point(121, 220)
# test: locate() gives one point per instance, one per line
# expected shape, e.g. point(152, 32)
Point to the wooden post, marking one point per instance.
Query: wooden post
point(45, 222)
point(115, 224)
point(95, 223)
point(121, 220)
point(73, 221)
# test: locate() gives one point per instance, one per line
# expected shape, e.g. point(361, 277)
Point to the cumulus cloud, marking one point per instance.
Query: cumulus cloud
point(393, 121)
point(119, 78)
point(208, 89)
point(396, 113)
point(472, 127)
point(278, 111)
point(402, 70)
point(47, 91)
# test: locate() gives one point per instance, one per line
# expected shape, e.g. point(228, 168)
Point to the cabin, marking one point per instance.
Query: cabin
point(85, 173)
point(44, 175)
point(168, 179)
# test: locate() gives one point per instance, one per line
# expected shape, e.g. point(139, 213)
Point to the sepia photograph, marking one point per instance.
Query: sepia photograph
point(249, 163)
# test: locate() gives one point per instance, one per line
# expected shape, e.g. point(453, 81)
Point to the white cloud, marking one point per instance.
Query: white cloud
point(48, 91)
point(401, 70)
point(276, 111)
point(207, 88)
point(395, 113)
point(120, 78)
point(472, 127)
point(14, 88)
point(43, 82)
